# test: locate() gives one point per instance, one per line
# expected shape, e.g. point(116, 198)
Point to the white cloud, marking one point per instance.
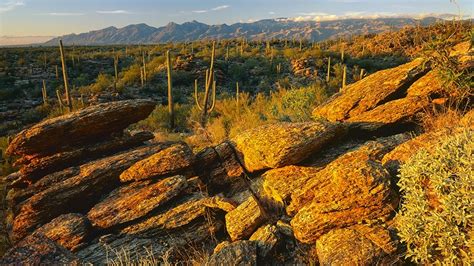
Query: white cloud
point(113, 12)
point(65, 14)
point(271, 13)
point(318, 16)
point(220, 7)
point(199, 11)
point(10, 5)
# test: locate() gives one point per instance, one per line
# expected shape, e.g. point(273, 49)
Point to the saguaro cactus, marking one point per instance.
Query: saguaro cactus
point(66, 86)
point(44, 93)
point(144, 68)
point(344, 75)
point(237, 96)
point(328, 76)
point(170, 92)
point(116, 60)
point(205, 108)
point(60, 101)
point(57, 72)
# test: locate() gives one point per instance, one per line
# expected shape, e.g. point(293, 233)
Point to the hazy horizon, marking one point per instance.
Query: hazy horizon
point(19, 18)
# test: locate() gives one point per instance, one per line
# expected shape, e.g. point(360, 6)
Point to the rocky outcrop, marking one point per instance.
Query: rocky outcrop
point(267, 238)
point(38, 250)
point(130, 202)
point(237, 253)
point(68, 230)
point(278, 145)
point(78, 128)
point(356, 245)
point(245, 219)
point(350, 189)
point(77, 193)
point(173, 160)
point(371, 92)
point(40, 167)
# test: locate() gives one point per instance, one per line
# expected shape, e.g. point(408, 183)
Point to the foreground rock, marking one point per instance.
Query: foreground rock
point(39, 167)
point(77, 193)
point(193, 208)
point(357, 245)
point(267, 238)
point(237, 253)
point(352, 188)
point(68, 230)
point(130, 202)
point(173, 160)
point(78, 128)
point(38, 250)
point(370, 92)
point(278, 145)
point(245, 219)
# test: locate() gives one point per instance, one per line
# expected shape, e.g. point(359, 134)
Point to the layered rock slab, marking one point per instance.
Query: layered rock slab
point(370, 92)
point(68, 230)
point(245, 219)
point(133, 201)
point(77, 193)
point(176, 159)
point(237, 253)
point(278, 145)
point(352, 188)
point(80, 127)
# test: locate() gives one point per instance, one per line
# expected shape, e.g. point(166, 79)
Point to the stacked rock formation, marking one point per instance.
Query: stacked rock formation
point(89, 193)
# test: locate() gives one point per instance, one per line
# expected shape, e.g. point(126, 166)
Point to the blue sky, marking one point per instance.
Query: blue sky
point(57, 17)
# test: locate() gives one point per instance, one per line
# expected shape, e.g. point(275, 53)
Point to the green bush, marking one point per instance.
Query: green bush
point(437, 213)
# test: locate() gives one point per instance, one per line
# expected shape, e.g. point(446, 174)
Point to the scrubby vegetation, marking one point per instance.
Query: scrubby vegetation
point(436, 218)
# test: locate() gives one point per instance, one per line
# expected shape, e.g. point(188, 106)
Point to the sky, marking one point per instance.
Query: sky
point(59, 17)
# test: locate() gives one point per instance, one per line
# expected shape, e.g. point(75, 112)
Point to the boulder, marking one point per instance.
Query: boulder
point(357, 245)
point(40, 167)
point(370, 92)
point(177, 159)
point(245, 219)
point(279, 183)
point(226, 174)
point(347, 191)
point(68, 230)
point(395, 113)
point(133, 201)
point(237, 253)
point(38, 250)
point(78, 128)
point(282, 144)
point(267, 238)
point(427, 86)
point(77, 193)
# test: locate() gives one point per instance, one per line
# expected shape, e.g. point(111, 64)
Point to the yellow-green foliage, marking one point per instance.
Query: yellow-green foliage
point(5, 162)
point(437, 214)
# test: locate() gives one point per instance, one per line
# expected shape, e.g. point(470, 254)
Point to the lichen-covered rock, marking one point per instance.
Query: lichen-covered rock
point(38, 250)
point(267, 238)
point(279, 183)
point(357, 245)
point(133, 201)
point(68, 230)
point(194, 207)
point(370, 92)
point(282, 144)
point(77, 193)
point(427, 86)
point(177, 159)
point(351, 189)
point(237, 253)
point(245, 219)
point(40, 167)
point(393, 113)
point(81, 127)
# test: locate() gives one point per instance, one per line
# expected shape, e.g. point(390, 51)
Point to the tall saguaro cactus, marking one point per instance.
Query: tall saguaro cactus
point(116, 61)
point(144, 67)
point(328, 76)
point(44, 93)
point(344, 75)
point(66, 86)
point(205, 108)
point(170, 90)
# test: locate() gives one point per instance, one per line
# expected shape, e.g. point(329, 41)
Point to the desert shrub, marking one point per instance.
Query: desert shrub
point(159, 119)
point(6, 162)
point(437, 212)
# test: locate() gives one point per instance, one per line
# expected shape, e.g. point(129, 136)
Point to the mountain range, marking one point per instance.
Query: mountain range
point(263, 29)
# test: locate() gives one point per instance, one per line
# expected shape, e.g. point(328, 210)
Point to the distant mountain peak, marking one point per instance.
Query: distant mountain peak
point(267, 28)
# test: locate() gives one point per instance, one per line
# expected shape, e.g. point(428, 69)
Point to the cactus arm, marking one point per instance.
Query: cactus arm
point(196, 94)
point(213, 105)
